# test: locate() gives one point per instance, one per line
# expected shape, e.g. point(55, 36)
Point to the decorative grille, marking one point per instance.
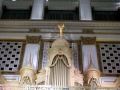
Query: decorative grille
point(10, 55)
point(110, 58)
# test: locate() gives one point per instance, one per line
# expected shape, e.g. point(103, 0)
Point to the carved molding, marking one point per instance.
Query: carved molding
point(2, 79)
point(93, 83)
point(76, 77)
point(60, 51)
point(93, 75)
point(88, 40)
point(41, 77)
point(33, 39)
point(43, 27)
point(118, 82)
point(27, 76)
point(28, 24)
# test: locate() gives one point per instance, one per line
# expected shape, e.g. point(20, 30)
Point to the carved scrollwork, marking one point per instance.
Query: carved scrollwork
point(93, 76)
point(93, 82)
point(41, 77)
point(27, 75)
point(78, 77)
point(26, 80)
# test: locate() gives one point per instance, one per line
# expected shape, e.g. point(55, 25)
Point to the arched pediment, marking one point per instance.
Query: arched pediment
point(62, 58)
point(61, 42)
point(59, 51)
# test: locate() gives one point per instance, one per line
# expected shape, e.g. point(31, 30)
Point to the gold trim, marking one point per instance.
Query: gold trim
point(88, 40)
point(28, 24)
point(33, 39)
point(61, 29)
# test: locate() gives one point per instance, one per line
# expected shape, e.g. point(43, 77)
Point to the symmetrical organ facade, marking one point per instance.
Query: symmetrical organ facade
point(47, 63)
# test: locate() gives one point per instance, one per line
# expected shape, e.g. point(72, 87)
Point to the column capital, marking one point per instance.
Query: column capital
point(88, 40)
point(33, 39)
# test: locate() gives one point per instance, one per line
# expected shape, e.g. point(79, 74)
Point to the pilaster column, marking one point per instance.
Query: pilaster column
point(31, 55)
point(30, 61)
point(85, 12)
point(89, 52)
point(38, 10)
point(1, 1)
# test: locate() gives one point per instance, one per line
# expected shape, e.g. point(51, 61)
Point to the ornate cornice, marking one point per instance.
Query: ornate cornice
point(88, 40)
point(33, 39)
point(22, 24)
point(50, 27)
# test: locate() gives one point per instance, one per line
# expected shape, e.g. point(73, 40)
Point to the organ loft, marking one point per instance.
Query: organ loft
point(59, 45)
point(60, 69)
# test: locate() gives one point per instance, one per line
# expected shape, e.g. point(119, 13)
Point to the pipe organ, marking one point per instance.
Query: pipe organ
point(59, 71)
point(60, 64)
